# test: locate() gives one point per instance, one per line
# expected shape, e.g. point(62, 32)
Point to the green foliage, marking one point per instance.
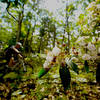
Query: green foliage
point(86, 66)
point(74, 67)
point(42, 73)
point(42, 32)
point(65, 77)
point(11, 75)
point(49, 30)
point(12, 41)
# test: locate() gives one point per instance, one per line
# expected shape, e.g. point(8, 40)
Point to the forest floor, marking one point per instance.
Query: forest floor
point(49, 87)
point(19, 85)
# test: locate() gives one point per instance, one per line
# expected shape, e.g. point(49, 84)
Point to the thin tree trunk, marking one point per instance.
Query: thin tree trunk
point(66, 26)
point(66, 23)
point(54, 38)
point(39, 49)
point(32, 37)
point(20, 19)
point(68, 35)
point(19, 28)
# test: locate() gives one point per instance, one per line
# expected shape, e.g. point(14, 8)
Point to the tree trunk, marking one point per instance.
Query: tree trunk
point(39, 49)
point(20, 19)
point(66, 26)
point(54, 37)
point(68, 37)
point(32, 38)
point(19, 28)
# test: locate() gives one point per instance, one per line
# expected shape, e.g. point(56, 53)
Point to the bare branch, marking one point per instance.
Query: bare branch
point(11, 14)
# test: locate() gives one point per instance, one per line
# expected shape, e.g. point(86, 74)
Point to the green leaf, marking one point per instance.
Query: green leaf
point(74, 67)
point(15, 93)
point(1, 74)
point(65, 77)
point(3, 0)
point(86, 66)
point(42, 73)
point(11, 75)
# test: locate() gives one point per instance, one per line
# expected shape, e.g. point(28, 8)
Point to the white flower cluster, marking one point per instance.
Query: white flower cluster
point(56, 51)
point(81, 40)
point(93, 14)
point(50, 56)
point(92, 52)
point(91, 49)
point(86, 57)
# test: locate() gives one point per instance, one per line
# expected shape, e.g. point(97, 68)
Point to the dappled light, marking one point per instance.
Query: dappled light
point(49, 49)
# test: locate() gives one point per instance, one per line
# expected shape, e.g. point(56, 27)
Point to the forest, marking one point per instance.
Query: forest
point(49, 49)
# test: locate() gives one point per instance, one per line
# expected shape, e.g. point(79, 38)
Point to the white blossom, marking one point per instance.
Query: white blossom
point(50, 54)
point(91, 47)
point(99, 50)
point(56, 51)
point(79, 52)
point(49, 57)
point(80, 39)
point(82, 43)
point(43, 89)
point(67, 60)
point(86, 57)
point(74, 59)
point(98, 6)
point(93, 55)
point(46, 64)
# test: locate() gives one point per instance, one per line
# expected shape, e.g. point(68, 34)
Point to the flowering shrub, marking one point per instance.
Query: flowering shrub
point(51, 56)
point(59, 56)
point(88, 50)
point(90, 21)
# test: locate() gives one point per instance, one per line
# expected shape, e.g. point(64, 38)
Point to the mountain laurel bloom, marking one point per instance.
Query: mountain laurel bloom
point(86, 57)
point(82, 43)
point(80, 39)
point(91, 47)
point(46, 64)
point(49, 54)
point(56, 51)
point(49, 57)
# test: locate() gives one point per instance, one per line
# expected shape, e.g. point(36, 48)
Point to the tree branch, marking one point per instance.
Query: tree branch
point(11, 14)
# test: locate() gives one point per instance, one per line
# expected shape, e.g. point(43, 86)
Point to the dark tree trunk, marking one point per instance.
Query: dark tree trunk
point(54, 38)
point(39, 49)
